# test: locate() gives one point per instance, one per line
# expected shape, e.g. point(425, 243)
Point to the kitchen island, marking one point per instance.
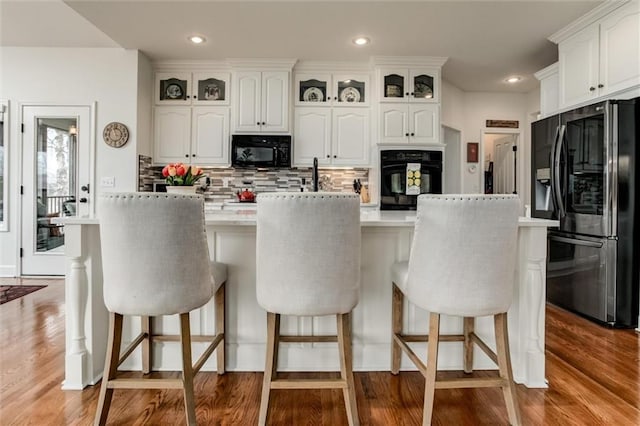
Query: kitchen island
point(386, 238)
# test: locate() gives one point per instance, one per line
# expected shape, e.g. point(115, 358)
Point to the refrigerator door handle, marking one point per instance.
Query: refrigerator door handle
point(552, 160)
point(575, 242)
point(556, 171)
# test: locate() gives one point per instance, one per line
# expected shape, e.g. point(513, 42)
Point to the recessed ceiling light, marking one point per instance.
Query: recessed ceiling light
point(514, 79)
point(361, 41)
point(196, 39)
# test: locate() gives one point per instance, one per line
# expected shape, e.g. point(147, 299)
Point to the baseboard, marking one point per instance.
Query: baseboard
point(8, 271)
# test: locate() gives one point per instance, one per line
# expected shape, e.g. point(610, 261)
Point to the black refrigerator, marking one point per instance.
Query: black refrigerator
point(586, 174)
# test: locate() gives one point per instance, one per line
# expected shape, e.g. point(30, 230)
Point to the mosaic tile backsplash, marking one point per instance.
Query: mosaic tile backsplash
point(225, 182)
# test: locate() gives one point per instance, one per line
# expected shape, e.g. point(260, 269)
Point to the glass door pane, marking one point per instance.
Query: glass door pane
point(422, 87)
point(56, 158)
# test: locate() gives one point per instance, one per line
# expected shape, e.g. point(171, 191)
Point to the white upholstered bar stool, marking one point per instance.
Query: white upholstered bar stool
point(462, 263)
point(308, 264)
point(156, 262)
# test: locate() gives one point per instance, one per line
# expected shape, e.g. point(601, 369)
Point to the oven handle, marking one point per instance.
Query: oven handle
point(575, 242)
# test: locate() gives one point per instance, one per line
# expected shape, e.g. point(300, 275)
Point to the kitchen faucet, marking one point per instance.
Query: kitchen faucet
point(314, 175)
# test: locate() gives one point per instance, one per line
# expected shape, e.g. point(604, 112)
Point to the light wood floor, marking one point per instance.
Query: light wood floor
point(593, 374)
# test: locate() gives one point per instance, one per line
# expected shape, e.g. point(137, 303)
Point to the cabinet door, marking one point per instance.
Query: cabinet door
point(394, 123)
point(579, 63)
point(350, 136)
point(275, 101)
point(393, 84)
point(424, 124)
point(211, 88)
point(173, 88)
point(171, 134)
point(351, 90)
point(312, 136)
point(313, 89)
point(620, 49)
point(424, 85)
point(248, 117)
point(210, 135)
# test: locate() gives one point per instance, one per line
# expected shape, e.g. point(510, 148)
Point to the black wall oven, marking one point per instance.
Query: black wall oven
point(405, 174)
point(269, 151)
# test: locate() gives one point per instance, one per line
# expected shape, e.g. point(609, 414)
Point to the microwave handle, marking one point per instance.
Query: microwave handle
point(275, 156)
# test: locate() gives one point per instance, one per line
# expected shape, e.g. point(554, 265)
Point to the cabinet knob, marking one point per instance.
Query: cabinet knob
point(413, 134)
point(412, 93)
point(600, 86)
point(186, 155)
point(83, 200)
point(188, 96)
point(335, 156)
point(406, 94)
point(258, 123)
point(335, 98)
point(328, 156)
point(264, 124)
point(195, 96)
point(193, 155)
point(406, 134)
point(592, 88)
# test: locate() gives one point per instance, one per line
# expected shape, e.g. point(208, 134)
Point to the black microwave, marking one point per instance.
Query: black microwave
point(267, 151)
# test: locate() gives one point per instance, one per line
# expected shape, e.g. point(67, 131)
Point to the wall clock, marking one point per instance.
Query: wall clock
point(115, 134)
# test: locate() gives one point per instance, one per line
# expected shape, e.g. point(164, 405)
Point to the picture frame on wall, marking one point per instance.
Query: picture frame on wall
point(472, 152)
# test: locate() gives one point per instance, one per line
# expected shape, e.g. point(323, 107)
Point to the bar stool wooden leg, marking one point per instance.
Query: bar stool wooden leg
point(147, 345)
point(504, 364)
point(220, 328)
point(110, 367)
point(396, 324)
point(346, 367)
point(271, 364)
point(187, 369)
point(432, 367)
point(468, 329)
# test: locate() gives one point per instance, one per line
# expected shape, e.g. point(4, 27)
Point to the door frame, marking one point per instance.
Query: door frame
point(443, 128)
point(520, 184)
point(19, 172)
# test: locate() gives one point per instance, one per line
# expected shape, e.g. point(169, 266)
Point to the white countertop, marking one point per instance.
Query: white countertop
point(368, 217)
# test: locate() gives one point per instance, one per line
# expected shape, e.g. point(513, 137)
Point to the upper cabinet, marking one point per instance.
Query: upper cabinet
point(549, 85)
point(192, 135)
point(601, 58)
point(346, 89)
point(262, 101)
point(409, 85)
point(185, 88)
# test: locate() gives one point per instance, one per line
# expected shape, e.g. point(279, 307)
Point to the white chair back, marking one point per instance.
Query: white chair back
point(154, 253)
point(463, 255)
point(308, 252)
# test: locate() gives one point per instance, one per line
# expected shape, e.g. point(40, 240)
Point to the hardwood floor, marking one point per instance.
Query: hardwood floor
point(593, 372)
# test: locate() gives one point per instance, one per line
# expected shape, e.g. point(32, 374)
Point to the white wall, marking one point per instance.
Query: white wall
point(70, 76)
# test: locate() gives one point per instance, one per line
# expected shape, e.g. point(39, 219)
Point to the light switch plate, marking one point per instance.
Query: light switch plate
point(108, 182)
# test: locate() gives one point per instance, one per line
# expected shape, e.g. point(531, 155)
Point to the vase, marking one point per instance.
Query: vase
point(182, 189)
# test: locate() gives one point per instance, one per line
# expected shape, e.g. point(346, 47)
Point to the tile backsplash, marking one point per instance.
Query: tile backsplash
point(225, 182)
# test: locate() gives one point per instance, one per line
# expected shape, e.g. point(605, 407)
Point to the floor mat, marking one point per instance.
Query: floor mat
point(12, 292)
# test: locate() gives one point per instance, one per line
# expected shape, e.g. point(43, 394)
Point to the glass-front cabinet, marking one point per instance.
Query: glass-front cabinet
point(409, 85)
point(185, 88)
point(316, 89)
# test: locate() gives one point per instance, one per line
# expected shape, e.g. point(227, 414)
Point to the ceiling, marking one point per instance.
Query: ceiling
point(485, 41)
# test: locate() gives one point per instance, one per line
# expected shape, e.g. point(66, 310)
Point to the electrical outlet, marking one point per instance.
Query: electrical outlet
point(108, 182)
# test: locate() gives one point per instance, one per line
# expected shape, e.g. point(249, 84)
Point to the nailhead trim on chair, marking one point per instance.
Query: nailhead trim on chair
point(307, 195)
point(132, 195)
point(466, 197)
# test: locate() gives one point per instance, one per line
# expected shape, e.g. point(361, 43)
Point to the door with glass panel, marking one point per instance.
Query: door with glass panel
point(55, 182)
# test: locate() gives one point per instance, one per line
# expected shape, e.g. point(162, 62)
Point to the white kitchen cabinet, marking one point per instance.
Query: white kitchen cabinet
point(415, 85)
point(413, 124)
point(602, 58)
point(192, 135)
point(262, 101)
point(198, 88)
point(336, 136)
point(549, 87)
point(344, 89)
